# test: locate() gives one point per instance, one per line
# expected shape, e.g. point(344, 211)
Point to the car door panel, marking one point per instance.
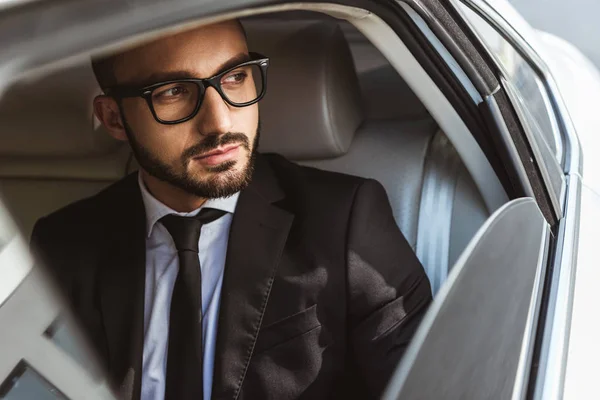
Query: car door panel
point(475, 342)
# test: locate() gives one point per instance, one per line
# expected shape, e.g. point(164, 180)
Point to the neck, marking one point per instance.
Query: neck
point(171, 196)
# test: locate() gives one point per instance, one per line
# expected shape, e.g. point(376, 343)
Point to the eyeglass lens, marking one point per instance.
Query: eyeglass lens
point(175, 101)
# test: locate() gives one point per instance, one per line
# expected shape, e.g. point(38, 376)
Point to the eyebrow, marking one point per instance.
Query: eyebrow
point(175, 75)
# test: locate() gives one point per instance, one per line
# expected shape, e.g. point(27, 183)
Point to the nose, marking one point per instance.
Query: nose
point(214, 116)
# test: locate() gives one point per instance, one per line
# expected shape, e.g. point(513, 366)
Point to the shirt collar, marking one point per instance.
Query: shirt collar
point(155, 209)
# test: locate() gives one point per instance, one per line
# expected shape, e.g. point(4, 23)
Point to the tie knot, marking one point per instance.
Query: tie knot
point(185, 231)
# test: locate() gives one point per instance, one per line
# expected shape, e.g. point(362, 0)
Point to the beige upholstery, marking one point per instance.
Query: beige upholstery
point(385, 95)
point(52, 151)
point(312, 101)
point(52, 116)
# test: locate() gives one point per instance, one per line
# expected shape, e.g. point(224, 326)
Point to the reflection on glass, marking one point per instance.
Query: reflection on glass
point(528, 87)
point(63, 336)
point(24, 383)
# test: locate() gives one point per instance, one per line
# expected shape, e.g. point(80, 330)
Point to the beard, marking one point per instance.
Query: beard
point(224, 180)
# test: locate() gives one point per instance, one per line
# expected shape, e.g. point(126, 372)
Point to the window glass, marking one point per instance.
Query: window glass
point(526, 86)
point(24, 383)
point(62, 334)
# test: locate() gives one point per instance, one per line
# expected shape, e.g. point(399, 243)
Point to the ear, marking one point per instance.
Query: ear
point(107, 111)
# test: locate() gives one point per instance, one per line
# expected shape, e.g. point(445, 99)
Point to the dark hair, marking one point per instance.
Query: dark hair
point(104, 67)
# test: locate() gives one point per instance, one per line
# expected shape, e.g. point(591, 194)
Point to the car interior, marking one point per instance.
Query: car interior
point(333, 102)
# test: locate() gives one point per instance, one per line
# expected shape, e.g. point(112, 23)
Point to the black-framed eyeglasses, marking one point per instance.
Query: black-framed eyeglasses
point(176, 101)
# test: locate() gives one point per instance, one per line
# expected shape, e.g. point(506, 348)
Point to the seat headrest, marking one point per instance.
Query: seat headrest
point(313, 106)
point(52, 116)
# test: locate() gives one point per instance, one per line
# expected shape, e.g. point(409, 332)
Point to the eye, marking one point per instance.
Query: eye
point(171, 92)
point(235, 78)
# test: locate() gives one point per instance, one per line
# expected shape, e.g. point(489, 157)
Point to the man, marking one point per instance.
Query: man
point(217, 272)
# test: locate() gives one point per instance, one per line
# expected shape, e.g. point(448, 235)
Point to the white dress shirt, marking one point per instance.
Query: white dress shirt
point(162, 265)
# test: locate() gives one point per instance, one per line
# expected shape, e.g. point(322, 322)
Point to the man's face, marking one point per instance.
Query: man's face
point(210, 155)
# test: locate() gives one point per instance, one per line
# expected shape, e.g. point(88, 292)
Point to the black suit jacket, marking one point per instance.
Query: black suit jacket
point(321, 292)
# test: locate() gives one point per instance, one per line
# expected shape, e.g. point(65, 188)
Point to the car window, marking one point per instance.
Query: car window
point(62, 334)
point(25, 383)
point(524, 86)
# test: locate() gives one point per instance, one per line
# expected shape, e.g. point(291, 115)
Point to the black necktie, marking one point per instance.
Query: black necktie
point(184, 360)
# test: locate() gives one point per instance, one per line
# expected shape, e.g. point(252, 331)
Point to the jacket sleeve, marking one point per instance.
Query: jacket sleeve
point(388, 290)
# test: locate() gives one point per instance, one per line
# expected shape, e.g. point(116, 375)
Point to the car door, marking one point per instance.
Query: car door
point(476, 340)
point(551, 135)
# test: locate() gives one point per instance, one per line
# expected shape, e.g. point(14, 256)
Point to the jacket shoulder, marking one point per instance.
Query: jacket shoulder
point(326, 196)
point(90, 210)
point(291, 174)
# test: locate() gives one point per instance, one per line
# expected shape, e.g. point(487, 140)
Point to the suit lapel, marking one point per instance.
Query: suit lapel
point(258, 234)
point(122, 281)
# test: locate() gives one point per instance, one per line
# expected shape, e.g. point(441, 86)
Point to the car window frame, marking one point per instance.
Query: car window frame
point(553, 337)
point(549, 162)
point(507, 134)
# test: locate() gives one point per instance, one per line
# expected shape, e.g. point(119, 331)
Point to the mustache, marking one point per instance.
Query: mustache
point(213, 142)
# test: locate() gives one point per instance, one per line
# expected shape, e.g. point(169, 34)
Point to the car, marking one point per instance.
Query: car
point(475, 123)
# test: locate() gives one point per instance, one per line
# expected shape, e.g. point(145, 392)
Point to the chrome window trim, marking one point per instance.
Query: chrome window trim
point(583, 348)
point(555, 340)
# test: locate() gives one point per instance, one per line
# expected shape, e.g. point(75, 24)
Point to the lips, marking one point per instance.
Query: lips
point(219, 156)
point(219, 151)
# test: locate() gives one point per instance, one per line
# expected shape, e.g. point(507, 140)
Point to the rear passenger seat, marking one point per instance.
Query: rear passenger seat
point(314, 113)
point(51, 151)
